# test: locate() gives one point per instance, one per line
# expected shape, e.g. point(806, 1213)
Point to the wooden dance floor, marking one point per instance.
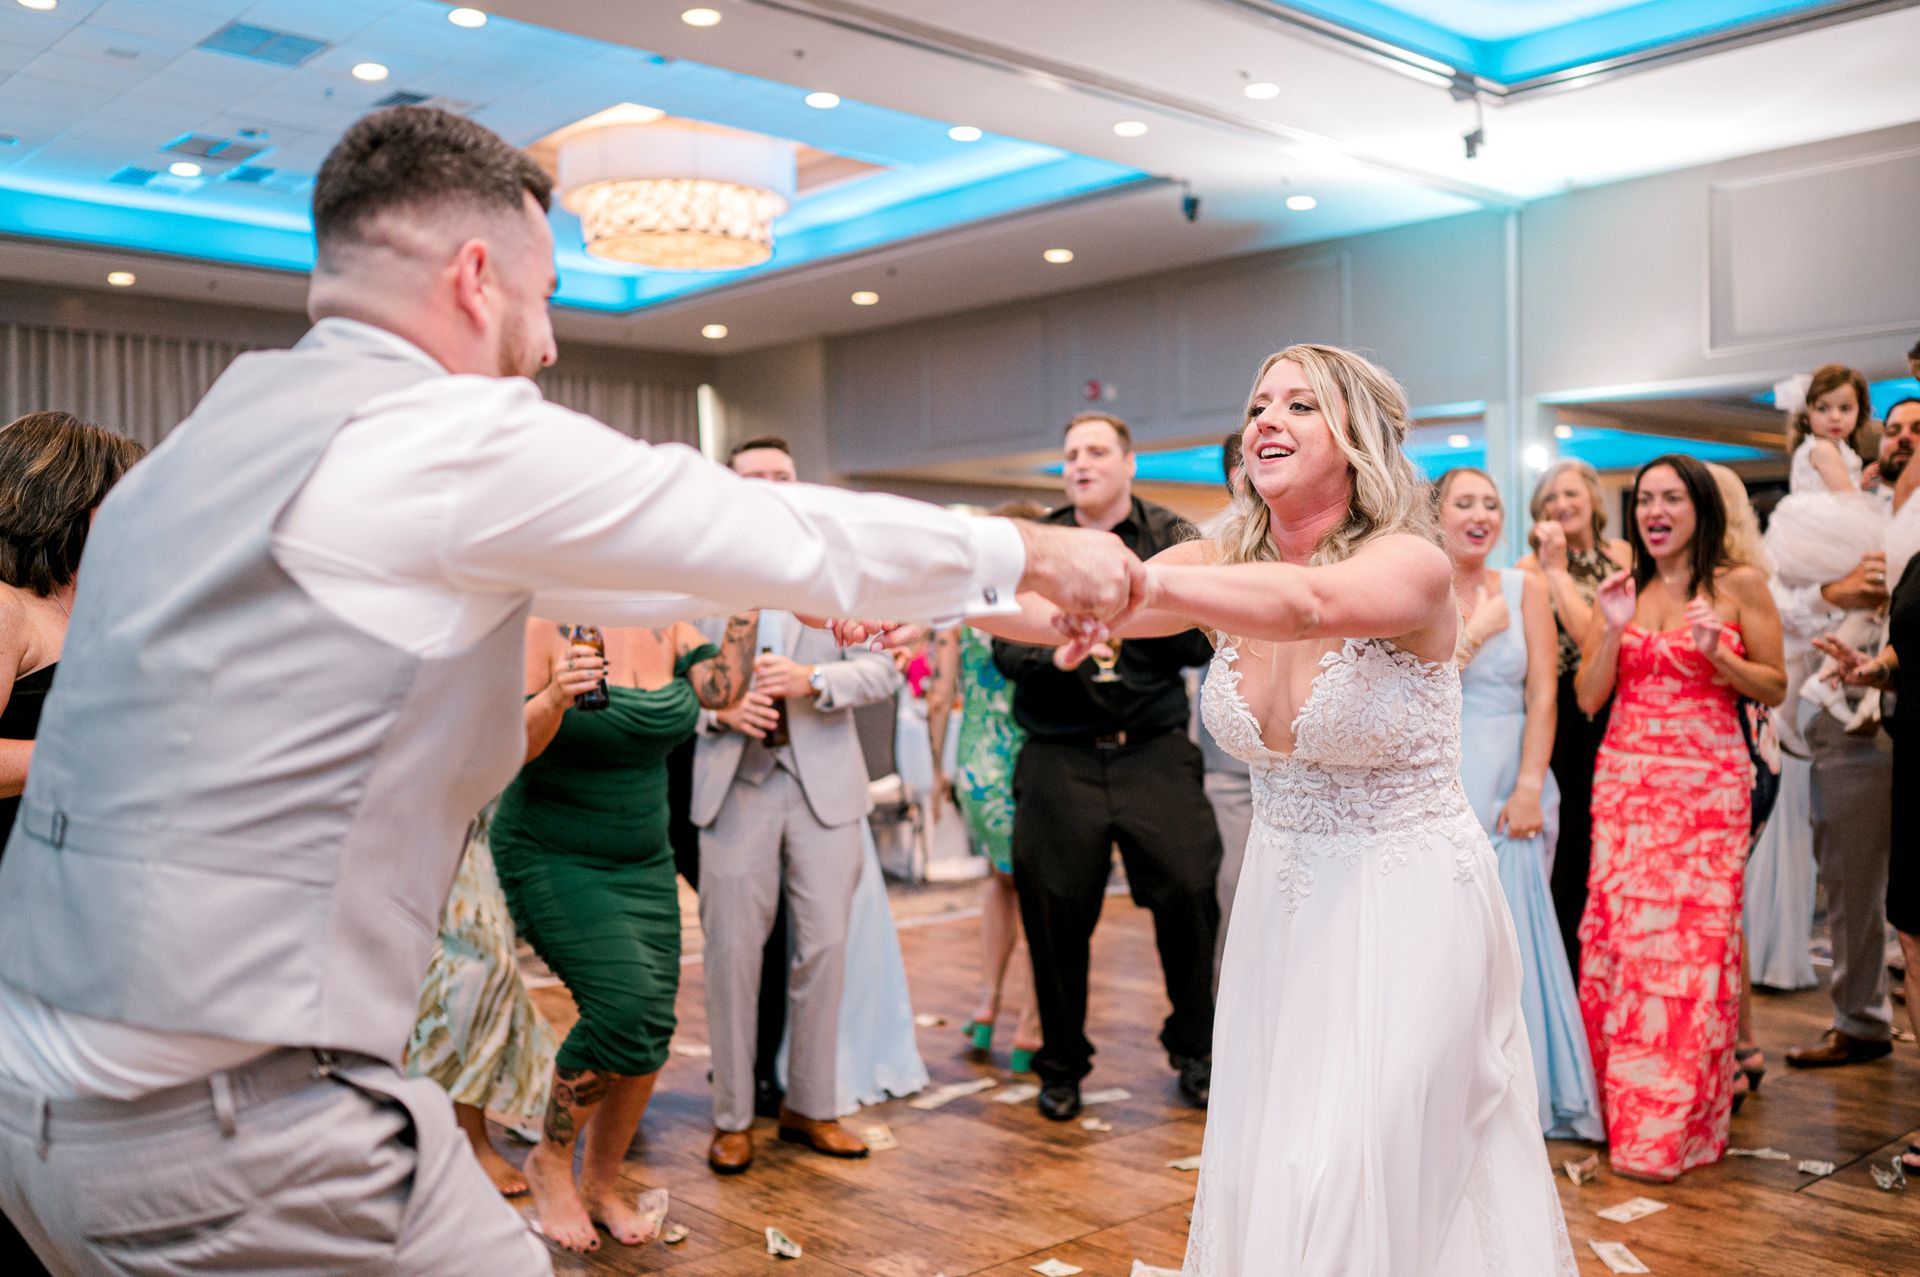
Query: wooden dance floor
point(981, 1187)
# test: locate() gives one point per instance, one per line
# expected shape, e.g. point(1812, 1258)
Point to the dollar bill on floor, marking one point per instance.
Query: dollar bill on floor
point(1633, 1208)
point(1885, 1180)
point(1112, 1095)
point(652, 1206)
point(1055, 1268)
point(1618, 1258)
point(952, 1091)
point(878, 1138)
point(1764, 1154)
point(675, 1234)
point(781, 1245)
point(1148, 1270)
point(1582, 1171)
point(1813, 1167)
point(928, 1020)
point(693, 1050)
point(1094, 1124)
point(1018, 1093)
point(1185, 1163)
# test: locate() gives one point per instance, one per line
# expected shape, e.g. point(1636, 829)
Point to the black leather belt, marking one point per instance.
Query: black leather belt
point(1109, 740)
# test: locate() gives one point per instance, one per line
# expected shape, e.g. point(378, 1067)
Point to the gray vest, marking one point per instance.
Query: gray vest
point(244, 814)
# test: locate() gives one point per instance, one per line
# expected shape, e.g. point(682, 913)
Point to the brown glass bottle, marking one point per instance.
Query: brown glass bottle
point(778, 736)
point(596, 698)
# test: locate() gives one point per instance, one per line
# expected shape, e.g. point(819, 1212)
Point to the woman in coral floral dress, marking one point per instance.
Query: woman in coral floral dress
point(1677, 644)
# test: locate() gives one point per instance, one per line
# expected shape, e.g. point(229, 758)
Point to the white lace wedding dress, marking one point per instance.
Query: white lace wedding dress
point(1373, 1110)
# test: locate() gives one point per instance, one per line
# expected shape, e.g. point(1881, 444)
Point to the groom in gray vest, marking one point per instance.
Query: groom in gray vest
point(293, 675)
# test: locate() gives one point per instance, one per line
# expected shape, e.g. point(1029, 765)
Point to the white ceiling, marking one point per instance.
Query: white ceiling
point(1374, 146)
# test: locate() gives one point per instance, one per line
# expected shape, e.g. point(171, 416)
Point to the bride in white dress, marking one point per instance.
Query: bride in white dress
point(1373, 1110)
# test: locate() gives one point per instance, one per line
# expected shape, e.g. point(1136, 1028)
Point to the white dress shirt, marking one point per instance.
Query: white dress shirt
point(437, 510)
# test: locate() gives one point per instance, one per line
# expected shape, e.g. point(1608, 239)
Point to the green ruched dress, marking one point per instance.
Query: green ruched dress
point(580, 841)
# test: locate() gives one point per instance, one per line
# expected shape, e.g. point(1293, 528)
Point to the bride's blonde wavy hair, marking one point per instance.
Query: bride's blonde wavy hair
point(1366, 410)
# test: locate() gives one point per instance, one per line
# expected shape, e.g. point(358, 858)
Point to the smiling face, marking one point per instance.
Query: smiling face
point(1664, 513)
point(1471, 517)
point(1568, 503)
point(1288, 447)
point(1900, 437)
point(1098, 467)
point(1835, 414)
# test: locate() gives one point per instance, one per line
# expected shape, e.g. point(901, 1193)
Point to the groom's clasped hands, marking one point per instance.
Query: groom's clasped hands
point(1095, 580)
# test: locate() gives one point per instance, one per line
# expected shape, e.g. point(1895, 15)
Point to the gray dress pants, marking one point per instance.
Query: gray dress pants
point(269, 1168)
point(1852, 800)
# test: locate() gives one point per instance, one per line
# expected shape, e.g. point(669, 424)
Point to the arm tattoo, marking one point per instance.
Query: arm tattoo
point(720, 680)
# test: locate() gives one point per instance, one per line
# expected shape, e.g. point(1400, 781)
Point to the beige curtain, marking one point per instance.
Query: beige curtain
point(141, 387)
point(144, 386)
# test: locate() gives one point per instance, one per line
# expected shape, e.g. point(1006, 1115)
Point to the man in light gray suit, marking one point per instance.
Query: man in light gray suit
point(294, 674)
point(779, 791)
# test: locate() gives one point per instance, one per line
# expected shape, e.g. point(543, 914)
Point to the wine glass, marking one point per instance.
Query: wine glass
point(1107, 660)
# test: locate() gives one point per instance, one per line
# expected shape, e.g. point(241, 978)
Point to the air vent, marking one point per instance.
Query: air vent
point(407, 97)
point(249, 173)
point(207, 147)
point(133, 175)
point(263, 44)
point(401, 97)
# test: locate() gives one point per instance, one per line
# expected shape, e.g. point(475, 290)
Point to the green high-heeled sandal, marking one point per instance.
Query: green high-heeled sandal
point(981, 1034)
point(1022, 1059)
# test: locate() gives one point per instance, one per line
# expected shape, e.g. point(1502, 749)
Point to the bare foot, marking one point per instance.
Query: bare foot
point(505, 1175)
point(615, 1209)
point(562, 1215)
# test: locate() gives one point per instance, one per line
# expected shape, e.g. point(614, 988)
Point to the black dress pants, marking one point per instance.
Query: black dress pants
point(1072, 804)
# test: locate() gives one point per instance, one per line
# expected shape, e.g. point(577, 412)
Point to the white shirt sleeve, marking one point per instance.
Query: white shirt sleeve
point(591, 522)
point(1804, 613)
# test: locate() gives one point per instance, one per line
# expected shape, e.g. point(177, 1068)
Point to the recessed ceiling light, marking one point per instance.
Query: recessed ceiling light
point(1563, 432)
point(1129, 128)
point(1536, 457)
point(118, 278)
point(865, 298)
point(184, 168)
point(1459, 441)
point(1302, 203)
point(823, 101)
point(38, 4)
point(701, 17)
point(468, 18)
point(714, 332)
point(1058, 256)
point(369, 71)
point(1261, 90)
point(964, 133)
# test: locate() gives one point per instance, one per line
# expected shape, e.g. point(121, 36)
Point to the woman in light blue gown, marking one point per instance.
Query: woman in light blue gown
point(1508, 703)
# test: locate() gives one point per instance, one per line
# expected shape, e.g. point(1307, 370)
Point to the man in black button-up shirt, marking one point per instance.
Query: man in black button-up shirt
point(1107, 761)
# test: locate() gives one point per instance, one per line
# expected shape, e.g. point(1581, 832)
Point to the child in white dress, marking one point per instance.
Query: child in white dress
point(1820, 530)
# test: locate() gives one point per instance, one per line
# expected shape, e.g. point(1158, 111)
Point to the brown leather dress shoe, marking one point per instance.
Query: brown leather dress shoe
point(1835, 1047)
point(731, 1152)
point(827, 1137)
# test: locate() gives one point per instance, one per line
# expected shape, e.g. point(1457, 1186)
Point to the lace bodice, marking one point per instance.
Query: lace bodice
point(1376, 760)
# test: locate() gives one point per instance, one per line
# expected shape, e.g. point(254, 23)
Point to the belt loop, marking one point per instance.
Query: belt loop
point(45, 1123)
point(59, 829)
point(221, 1084)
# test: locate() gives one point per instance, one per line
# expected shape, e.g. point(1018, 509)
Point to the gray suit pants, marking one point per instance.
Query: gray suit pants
point(764, 840)
point(1231, 794)
point(1852, 797)
point(270, 1167)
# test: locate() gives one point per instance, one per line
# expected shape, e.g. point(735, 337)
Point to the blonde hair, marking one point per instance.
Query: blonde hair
point(1742, 541)
point(1596, 496)
point(1366, 411)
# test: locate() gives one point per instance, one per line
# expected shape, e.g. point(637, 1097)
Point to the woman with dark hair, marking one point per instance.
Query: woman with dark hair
point(55, 470)
point(1680, 640)
point(1572, 552)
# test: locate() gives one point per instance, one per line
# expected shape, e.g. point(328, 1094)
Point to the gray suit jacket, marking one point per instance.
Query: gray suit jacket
point(826, 747)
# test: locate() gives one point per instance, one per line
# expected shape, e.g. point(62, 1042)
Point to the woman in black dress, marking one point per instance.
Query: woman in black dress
point(54, 471)
point(1572, 552)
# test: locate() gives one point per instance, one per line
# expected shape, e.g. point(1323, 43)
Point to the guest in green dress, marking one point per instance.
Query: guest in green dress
point(982, 785)
point(580, 841)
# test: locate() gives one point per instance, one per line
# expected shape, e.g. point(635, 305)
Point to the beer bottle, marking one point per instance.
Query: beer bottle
point(595, 698)
point(779, 735)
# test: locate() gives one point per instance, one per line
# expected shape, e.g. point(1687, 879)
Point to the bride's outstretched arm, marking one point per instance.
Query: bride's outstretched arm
point(1397, 587)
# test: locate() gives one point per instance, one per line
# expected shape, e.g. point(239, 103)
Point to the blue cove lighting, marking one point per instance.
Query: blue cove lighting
point(1508, 41)
point(92, 165)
